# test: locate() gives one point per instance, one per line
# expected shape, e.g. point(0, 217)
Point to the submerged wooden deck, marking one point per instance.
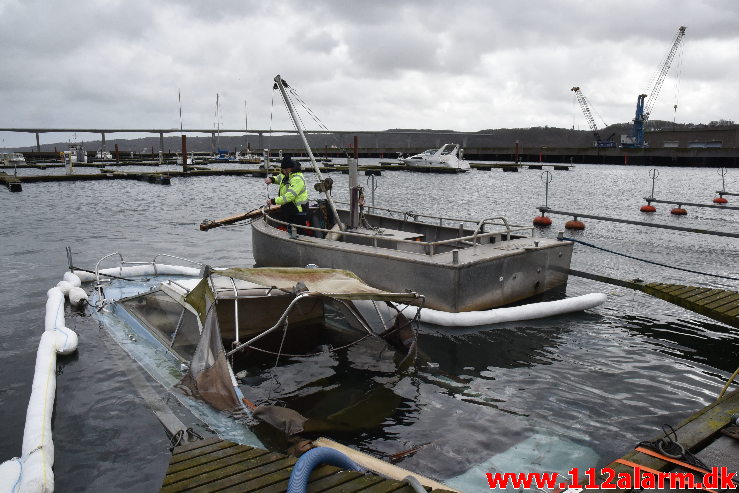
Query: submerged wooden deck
point(719, 304)
point(216, 465)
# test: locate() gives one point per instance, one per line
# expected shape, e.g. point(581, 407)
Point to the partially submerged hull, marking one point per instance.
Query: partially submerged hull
point(498, 270)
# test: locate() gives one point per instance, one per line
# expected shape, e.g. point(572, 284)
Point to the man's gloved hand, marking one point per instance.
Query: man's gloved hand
point(268, 180)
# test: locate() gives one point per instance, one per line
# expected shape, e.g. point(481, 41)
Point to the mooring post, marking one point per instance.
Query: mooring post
point(161, 147)
point(117, 156)
point(516, 152)
point(354, 185)
point(184, 152)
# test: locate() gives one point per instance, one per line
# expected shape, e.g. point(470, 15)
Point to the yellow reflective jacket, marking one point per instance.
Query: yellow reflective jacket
point(291, 190)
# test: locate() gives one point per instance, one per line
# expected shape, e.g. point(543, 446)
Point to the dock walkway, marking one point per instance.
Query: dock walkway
point(718, 304)
point(217, 465)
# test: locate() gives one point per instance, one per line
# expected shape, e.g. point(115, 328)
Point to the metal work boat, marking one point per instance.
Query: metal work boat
point(446, 157)
point(457, 264)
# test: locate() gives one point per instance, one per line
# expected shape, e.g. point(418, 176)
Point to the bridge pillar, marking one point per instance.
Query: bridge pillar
point(38, 146)
point(102, 135)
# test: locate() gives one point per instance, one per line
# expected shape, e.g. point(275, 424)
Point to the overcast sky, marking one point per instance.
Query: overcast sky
point(359, 65)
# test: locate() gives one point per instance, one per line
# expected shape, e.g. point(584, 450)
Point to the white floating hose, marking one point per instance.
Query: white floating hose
point(32, 472)
point(511, 314)
point(141, 270)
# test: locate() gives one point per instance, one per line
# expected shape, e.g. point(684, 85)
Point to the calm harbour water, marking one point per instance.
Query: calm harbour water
point(582, 388)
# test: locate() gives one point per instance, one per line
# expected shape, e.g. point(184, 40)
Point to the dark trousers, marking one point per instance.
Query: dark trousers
point(289, 213)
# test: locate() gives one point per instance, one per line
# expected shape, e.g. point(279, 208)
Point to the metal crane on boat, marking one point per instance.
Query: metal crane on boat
point(645, 102)
point(591, 121)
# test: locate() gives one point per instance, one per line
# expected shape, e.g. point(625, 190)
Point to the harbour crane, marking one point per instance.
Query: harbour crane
point(591, 121)
point(645, 103)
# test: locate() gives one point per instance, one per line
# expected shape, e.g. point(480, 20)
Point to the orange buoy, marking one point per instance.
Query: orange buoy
point(542, 221)
point(575, 224)
point(720, 200)
point(648, 208)
point(678, 211)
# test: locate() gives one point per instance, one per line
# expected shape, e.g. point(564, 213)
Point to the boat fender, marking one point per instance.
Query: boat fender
point(77, 296)
point(65, 286)
point(510, 314)
point(312, 458)
point(72, 278)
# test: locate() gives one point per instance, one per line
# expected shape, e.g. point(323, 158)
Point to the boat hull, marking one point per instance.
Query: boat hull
point(483, 277)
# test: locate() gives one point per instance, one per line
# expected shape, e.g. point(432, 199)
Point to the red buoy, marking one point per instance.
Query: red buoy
point(542, 221)
point(648, 208)
point(575, 224)
point(720, 200)
point(678, 211)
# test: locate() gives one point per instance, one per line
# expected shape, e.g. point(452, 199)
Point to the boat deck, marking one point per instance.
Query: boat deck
point(217, 465)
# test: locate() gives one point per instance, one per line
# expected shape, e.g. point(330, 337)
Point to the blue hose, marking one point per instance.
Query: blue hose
point(312, 458)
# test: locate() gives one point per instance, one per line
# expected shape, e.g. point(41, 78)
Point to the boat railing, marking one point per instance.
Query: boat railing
point(99, 282)
point(429, 247)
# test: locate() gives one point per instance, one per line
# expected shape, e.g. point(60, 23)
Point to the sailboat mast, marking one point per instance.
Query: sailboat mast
point(296, 121)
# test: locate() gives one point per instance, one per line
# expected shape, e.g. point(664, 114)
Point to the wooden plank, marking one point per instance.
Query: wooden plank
point(734, 298)
point(186, 447)
point(332, 481)
point(255, 480)
point(693, 433)
point(715, 298)
point(210, 457)
point(390, 486)
point(213, 447)
point(666, 288)
point(358, 484)
point(704, 295)
point(319, 472)
point(733, 313)
point(211, 471)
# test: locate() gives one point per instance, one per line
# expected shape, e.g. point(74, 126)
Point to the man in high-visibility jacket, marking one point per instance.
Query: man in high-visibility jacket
point(292, 196)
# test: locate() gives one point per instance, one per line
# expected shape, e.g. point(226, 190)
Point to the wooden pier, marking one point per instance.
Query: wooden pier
point(719, 304)
point(708, 434)
point(217, 465)
point(12, 182)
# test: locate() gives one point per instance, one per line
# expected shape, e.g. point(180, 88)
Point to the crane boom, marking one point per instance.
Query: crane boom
point(585, 106)
point(664, 67)
point(645, 102)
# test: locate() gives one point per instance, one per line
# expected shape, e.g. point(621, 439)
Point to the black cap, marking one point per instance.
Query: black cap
point(287, 163)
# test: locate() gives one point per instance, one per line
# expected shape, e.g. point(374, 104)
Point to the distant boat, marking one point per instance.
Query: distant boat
point(179, 159)
point(446, 157)
point(76, 154)
point(106, 155)
point(12, 159)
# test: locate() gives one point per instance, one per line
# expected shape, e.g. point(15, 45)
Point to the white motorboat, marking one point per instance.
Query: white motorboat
point(445, 157)
point(104, 155)
point(76, 154)
point(12, 159)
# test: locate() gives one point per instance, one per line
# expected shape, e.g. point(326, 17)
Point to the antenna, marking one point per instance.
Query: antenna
point(179, 100)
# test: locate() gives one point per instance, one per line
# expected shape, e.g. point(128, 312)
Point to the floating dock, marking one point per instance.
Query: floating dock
point(217, 465)
point(719, 304)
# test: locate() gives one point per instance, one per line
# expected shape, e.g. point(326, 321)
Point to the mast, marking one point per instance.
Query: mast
point(280, 84)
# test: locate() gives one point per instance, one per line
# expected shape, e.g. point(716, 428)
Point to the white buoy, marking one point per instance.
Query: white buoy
point(141, 270)
point(65, 286)
point(33, 471)
point(77, 295)
point(72, 278)
point(511, 314)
